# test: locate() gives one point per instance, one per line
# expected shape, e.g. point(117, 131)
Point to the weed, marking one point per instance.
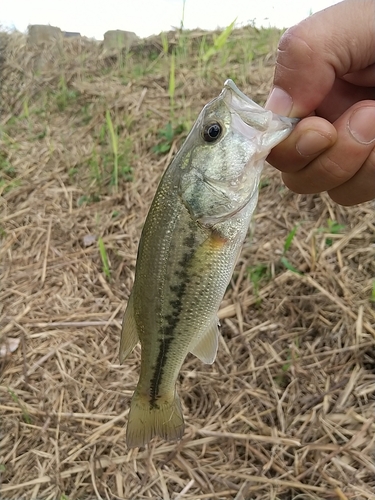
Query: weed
point(103, 134)
point(6, 168)
point(372, 297)
point(25, 106)
point(167, 135)
point(104, 257)
point(219, 42)
point(25, 415)
point(41, 135)
point(288, 242)
point(114, 145)
point(64, 96)
point(125, 170)
point(5, 186)
point(72, 172)
point(285, 262)
point(87, 117)
point(95, 170)
point(92, 198)
point(7, 174)
point(257, 274)
point(164, 42)
point(292, 355)
point(332, 227)
point(289, 239)
point(182, 15)
point(172, 82)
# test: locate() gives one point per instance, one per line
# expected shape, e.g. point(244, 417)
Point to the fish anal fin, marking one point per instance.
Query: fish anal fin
point(129, 334)
point(206, 347)
point(146, 421)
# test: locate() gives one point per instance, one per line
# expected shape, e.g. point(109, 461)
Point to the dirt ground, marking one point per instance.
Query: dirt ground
point(287, 409)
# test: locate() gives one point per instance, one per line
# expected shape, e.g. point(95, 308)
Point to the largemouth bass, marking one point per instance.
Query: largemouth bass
point(188, 249)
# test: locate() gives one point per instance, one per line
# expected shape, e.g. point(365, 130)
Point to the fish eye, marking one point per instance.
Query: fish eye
point(212, 132)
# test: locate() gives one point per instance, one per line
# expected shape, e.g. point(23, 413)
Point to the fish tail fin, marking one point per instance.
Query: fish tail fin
point(146, 421)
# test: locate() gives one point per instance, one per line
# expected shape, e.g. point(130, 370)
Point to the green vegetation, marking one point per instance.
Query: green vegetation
point(109, 161)
point(64, 95)
point(83, 143)
point(114, 146)
point(258, 275)
point(292, 354)
point(172, 82)
point(332, 227)
point(25, 415)
point(104, 258)
point(8, 174)
point(219, 42)
point(165, 43)
point(167, 136)
point(287, 244)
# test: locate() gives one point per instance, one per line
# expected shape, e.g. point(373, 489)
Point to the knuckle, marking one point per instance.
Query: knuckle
point(370, 163)
point(294, 43)
point(332, 170)
point(292, 181)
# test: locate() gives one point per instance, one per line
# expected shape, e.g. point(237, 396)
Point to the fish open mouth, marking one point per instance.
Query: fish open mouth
point(229, 84)
point(252, 113)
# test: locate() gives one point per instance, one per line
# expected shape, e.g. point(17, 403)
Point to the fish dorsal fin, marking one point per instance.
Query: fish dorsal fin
point(206, 347)
point(129, 334)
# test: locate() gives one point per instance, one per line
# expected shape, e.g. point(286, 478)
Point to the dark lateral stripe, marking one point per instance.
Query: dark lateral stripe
point(172, 319)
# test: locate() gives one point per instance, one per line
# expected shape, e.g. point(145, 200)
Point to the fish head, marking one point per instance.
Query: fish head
point(220, 163)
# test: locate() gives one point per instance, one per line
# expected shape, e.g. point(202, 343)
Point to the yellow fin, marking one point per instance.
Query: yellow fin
point(129, 334)
point(206, 347)
point(164, 419)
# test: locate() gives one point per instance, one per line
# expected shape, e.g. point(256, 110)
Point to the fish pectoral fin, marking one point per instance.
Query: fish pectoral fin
point(206, 347)
point(129, 334)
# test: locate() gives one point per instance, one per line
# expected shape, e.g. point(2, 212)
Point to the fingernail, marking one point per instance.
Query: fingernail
point(279, 102)
point(312, 143)
point(361, 125)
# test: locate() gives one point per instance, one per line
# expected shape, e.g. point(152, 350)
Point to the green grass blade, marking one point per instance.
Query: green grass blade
point(104, 257)
point(221, 40)
point(164, 41)
point(289, 239)
point(25, 414)
point(114, 145)
point(172, 80)
point(289, 266)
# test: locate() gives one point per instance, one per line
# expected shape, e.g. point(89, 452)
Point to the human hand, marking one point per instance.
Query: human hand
point(325, 74)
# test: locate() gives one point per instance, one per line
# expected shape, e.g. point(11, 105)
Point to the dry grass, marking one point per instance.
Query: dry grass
point(286, 411)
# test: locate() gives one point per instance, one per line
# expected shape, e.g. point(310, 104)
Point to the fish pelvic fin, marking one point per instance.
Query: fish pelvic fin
point(205, 348)
point(129, 333)
point(146, 420)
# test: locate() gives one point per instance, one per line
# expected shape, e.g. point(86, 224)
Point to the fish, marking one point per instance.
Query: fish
point(188, 249)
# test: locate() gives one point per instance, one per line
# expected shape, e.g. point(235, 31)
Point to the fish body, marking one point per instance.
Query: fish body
point(187, 252)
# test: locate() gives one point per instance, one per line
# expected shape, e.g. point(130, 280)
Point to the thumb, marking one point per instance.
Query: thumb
point(331, 43)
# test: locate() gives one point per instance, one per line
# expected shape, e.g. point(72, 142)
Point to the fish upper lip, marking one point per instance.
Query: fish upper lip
point(229, 84)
